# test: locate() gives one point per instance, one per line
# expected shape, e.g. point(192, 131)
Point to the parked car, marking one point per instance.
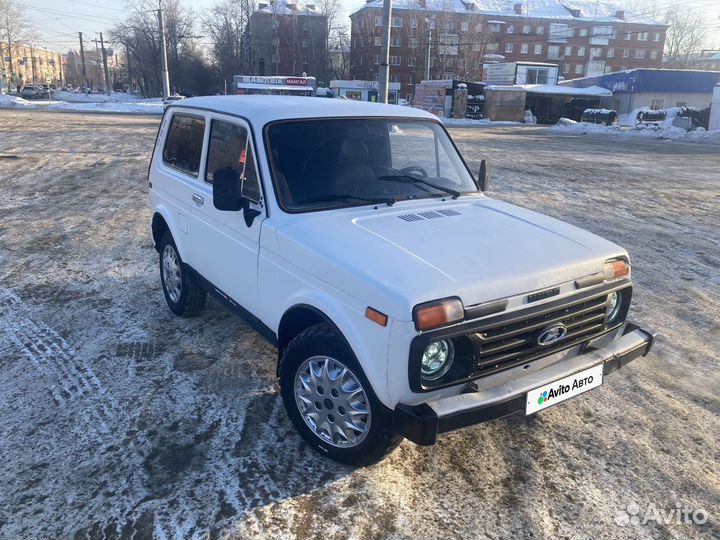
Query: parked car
point(28, 92)
point(171, 99)
point(403, 301)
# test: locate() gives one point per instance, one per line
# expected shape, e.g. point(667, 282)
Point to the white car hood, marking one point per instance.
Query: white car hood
point(396, 257)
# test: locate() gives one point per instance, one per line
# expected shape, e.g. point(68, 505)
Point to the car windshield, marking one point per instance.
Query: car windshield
point(320, 164)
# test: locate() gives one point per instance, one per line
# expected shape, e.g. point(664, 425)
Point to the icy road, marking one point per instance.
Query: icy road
point(119, 420)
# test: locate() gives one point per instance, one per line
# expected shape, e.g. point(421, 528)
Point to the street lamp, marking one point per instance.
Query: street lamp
point(430, 22)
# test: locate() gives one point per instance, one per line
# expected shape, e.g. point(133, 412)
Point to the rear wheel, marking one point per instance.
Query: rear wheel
point(330, 401)
point(182, 291)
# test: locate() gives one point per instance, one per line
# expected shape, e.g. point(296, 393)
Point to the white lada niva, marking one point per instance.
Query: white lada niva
point(404, 302)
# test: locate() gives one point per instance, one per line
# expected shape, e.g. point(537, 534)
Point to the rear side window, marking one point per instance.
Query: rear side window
point(184, 142)
point(231, 148)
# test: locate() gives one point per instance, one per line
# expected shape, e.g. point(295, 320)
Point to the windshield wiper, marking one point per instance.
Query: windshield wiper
point(340, 196)
point(410, 179)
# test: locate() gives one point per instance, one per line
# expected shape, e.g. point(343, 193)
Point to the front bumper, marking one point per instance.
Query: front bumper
point(422, 423)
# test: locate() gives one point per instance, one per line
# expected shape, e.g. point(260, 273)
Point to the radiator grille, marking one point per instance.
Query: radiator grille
point(516, 342)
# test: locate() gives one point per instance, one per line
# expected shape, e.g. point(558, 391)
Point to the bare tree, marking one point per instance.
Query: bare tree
point(688, 29)
point(688, 33)
point(139, 35)
point(648, 8)
point(336, 33)
point(14, 28)
point(339, 55)
point(225, 25)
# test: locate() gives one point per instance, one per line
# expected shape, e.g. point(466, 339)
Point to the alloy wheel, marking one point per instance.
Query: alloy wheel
point(332, 401)
point(172, 275)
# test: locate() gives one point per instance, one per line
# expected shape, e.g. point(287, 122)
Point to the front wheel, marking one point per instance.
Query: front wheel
point(330, 401)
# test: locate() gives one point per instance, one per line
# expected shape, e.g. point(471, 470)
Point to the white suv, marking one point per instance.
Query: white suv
point(403, 301)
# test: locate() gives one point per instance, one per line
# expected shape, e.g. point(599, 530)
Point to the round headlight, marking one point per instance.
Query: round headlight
point(437, 359)
point(613, 306)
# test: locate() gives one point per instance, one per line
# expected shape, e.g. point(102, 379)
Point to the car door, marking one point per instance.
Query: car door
point(225, 243)
point(177, 175)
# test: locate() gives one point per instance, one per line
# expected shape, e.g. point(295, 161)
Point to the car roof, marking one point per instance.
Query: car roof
point(264, 109)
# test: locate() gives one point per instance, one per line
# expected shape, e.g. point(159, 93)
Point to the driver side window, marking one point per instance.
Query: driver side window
point(231, 147)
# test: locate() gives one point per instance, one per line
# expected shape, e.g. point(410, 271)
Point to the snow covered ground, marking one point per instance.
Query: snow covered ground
point(663, 131)
point(465, 122)
point(121, 420)
point(70, 101)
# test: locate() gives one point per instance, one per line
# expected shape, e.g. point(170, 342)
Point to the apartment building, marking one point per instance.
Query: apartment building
point(451, 39)
point(288, 38)
point(26, 64)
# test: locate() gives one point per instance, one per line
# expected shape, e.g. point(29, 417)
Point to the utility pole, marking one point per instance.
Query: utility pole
point(107, 72)
point(163, 53)
point(129, 76)
point(429, 46)
point(32, 64)
point(82, 59)
point(245, 37)
point(98, 69)
point(384, 73)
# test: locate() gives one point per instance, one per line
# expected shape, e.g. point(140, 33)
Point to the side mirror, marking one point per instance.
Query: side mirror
point(226, 190)
point(227, 194)
point(484, 176)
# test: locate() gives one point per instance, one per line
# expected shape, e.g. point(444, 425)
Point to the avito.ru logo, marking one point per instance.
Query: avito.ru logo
point(632, 514)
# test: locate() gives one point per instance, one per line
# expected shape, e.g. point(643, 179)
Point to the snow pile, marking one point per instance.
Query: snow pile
point(663, 130)
point(11, 102)
point(80, 97)
point(566, 125)
point(114, 103)
point(701, 134)
point(630, 119)
point(566, 122)
point(146, 106)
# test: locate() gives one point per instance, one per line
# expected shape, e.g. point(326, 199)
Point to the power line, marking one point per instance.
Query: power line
point(68, 14)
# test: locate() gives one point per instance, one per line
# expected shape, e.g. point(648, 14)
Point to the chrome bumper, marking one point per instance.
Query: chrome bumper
point(422, 423)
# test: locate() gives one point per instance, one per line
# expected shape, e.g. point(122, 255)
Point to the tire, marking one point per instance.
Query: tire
point(182, 291)
point(323, 351)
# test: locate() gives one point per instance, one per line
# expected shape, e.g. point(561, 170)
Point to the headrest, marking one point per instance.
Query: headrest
point(353, 152)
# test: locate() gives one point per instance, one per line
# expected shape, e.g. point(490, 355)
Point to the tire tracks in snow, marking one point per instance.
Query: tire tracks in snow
point(69, 377)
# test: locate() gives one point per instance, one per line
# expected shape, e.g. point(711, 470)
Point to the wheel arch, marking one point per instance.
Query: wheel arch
point(369, 344)
point(300, 317)
point(159, 226)
point(161, 222)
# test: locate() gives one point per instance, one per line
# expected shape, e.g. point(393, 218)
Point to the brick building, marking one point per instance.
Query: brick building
point(288, 38)
point(583, 37)
point(29, 65)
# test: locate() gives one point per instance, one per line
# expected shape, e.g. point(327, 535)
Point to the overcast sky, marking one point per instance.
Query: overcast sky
point(57, 22)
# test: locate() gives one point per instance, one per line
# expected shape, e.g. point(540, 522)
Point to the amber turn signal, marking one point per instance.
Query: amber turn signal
point(616, 269)
point(438, 313)
point(375, 316)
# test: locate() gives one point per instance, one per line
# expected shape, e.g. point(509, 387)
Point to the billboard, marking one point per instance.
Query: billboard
point(500, 73)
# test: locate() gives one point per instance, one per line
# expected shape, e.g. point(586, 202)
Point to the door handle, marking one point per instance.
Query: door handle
point(198, 199)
